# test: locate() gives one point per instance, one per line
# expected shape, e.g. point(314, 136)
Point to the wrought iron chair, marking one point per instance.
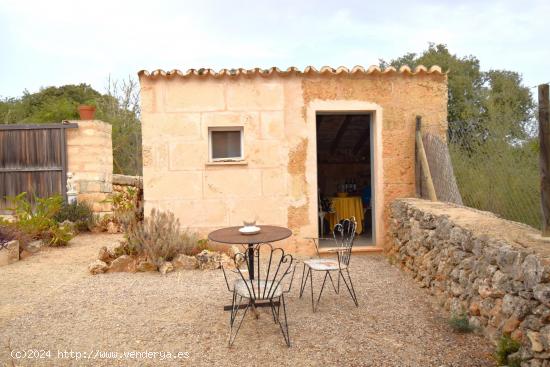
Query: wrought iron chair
point(344, 233)
point(266, 287)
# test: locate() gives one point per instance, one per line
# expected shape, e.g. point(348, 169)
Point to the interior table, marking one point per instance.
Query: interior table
point(267, 234)
point(347, 207)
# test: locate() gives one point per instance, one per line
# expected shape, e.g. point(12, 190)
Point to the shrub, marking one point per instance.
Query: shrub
point(460, 323)
point(37, 220)
point(57, 236)
point(159, 237)
point(79, 213)
point(126, 205)
point(506, 346)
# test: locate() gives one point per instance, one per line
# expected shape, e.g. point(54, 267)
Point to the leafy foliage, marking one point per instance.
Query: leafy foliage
point(79, 213)
point(477, 98)
point(460, 323)
point(506, 346)
point(119, 106)
point(36, 220)
point(491, 134)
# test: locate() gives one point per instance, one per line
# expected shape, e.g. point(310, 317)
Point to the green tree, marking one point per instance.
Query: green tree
point(119, 106)
point(477, 99)
point(491, 134)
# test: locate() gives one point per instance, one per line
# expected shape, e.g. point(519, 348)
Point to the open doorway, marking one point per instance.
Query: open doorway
point(344, 174)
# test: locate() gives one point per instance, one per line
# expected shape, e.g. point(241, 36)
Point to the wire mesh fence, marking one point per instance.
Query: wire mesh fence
point(487, 170)
point(441, 169)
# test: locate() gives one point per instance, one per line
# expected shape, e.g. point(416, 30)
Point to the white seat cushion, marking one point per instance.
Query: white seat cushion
point(266, 290)
point(323, 264)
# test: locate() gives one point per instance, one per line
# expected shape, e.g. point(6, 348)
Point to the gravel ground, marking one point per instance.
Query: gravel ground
point(50, 302)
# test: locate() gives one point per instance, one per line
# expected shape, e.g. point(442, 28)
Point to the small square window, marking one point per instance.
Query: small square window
point(226, 144)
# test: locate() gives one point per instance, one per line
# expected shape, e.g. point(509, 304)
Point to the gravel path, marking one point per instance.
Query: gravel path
point(50, 302)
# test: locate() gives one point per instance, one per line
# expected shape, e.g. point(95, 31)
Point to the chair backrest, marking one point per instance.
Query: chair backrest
point(271, 266)
point(344, 234)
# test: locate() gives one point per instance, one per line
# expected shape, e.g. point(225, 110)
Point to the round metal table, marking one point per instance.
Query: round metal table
point(231, 235)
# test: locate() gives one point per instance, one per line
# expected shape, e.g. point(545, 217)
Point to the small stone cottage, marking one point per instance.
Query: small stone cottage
point(300, 149)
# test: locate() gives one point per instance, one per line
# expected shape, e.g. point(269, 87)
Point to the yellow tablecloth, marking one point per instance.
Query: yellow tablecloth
point(346, 208)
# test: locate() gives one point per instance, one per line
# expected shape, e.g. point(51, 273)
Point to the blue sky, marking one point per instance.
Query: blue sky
point(52, 42)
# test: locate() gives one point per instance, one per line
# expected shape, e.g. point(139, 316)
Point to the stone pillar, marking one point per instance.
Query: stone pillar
point(90, 161)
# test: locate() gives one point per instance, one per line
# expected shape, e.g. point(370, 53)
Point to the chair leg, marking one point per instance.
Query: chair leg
point(304, 279)
point(322, 287)
point(234, 329)
point(337, 290)
point(283, 322)
point(351, 290)
point(311, 284)
point(274, 311)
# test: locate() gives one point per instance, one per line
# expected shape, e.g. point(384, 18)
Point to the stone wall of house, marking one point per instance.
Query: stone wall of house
point(495, 271)
point(90, 161)
point(276, 182)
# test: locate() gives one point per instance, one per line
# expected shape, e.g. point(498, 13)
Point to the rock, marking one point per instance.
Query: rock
point(234, 250)
point(456, 289)
point(226, 261)
point(24, 254)
point(112, 228)
point(531, 322)
point(542, 293)
point(145, 265)
point(474, 309)
point(545, 336)
point(124, 263)
point(501, 284)
point(97, 267)
point(510, 325)
point(166, 267)
point(532, 271)
point(185, 262)
point(106, 255)
point(536, 344)
point(506, 257)
point(475, 322)
point(517, 335)
point(10, 253)
point(209, 260)
point(484, 291)
point(34, 246)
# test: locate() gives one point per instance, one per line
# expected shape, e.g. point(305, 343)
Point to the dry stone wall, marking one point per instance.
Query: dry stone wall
point(495, 271)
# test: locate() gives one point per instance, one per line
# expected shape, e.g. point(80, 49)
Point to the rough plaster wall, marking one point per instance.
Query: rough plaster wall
point(402, 98)
point(278, 181)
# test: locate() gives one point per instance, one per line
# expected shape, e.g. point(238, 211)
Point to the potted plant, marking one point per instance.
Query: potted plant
point(87, 110)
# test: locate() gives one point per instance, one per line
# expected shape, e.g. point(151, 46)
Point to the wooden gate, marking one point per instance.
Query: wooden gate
point(33, 159)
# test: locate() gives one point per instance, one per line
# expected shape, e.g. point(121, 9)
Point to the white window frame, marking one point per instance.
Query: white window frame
point(225, 128)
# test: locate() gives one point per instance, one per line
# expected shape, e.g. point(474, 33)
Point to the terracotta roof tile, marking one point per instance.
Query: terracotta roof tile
point(309, 70)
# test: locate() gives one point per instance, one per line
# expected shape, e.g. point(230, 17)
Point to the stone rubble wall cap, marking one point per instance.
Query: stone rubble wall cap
point(309, 70)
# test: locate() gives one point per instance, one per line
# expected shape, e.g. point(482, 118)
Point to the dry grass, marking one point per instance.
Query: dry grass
point(49, 301)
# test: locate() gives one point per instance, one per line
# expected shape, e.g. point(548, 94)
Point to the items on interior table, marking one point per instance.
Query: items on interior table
point(349, 186)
